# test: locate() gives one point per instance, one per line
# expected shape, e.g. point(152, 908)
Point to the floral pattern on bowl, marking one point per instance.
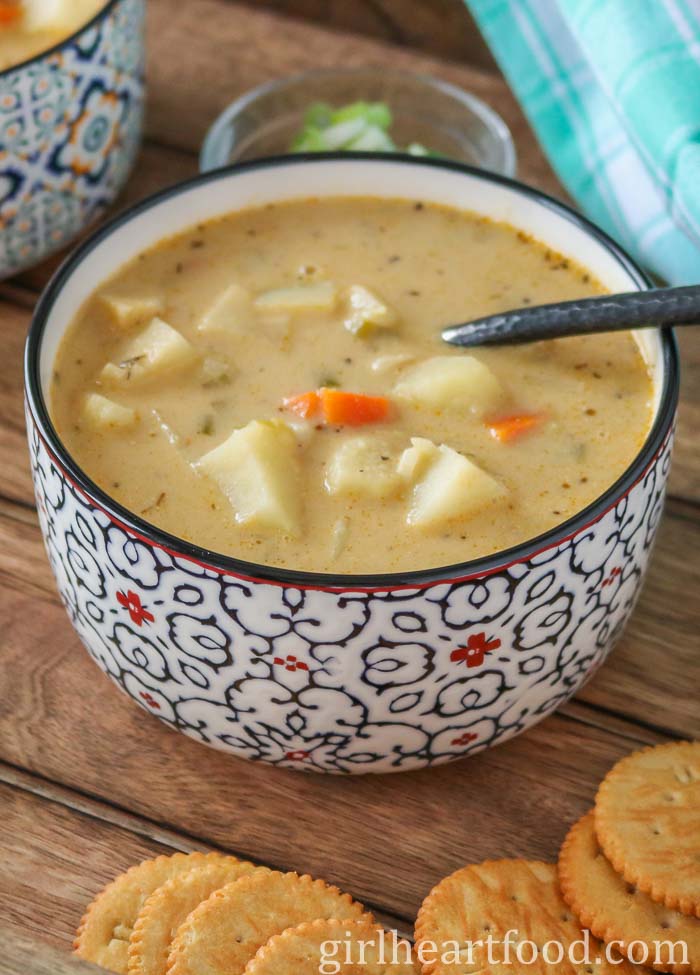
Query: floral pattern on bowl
point(70, 128)
point(350, 680)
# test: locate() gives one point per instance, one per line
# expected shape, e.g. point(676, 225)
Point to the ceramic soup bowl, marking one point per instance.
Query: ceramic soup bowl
point(343, 673)
point(70, 128)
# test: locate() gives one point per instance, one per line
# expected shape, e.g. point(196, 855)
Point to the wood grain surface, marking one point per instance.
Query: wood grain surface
point(387, 839)
point(442, 27)
point(89, 783)
point(56, 859)
point(24, 955)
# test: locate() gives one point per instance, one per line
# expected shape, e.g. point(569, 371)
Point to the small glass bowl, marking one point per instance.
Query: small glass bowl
point(443, 118)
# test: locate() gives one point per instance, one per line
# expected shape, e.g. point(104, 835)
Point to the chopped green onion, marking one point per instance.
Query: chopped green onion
point(416, 149)
point(318, 116)
point(343, 133)
point(373, 113)
point(373, 139)
point(309, 140)
point(360, 126)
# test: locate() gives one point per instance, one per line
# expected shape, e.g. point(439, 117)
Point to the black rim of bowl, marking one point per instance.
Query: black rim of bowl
point(417, 578)
point(102, 13)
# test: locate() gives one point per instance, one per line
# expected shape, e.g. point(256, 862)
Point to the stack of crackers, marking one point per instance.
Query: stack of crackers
point(625, 897)
point(197, 913)
point(630, 868)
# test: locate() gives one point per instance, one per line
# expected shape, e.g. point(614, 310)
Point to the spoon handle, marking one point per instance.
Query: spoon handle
point(604, 313)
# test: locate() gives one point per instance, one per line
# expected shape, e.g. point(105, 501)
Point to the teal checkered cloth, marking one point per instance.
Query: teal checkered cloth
point(612, 89)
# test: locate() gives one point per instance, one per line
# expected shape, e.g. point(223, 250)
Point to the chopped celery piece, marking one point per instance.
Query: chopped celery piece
point(309, 140)
point(373, 113)
point(360, 126)
point(373, 139)
point(343, 133)
point(319, 115)
point(416, 149)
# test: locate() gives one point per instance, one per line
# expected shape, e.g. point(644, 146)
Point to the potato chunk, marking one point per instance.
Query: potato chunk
point(155, 352)
point(446, 485)
point(231, 310)
point(54, 15)
point(363, 466)
point(416, 458)
point(392, 362)
point(257, 469)
point(367, 311)
point(321, 296)
point(216, 371)
point(127, 311)
point(104, 414)
point(459, 382)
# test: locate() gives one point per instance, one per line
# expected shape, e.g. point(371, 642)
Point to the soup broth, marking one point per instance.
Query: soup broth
point(272, 385)
point(29, 27)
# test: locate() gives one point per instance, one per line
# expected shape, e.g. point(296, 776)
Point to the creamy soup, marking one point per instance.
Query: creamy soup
point(28, 27)
point(272, 385)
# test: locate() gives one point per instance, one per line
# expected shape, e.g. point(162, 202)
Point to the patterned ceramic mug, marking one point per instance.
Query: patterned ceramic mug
point(70, 128)
point(343, 673)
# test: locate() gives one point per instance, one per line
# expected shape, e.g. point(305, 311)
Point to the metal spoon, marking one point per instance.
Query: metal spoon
point(604, 313)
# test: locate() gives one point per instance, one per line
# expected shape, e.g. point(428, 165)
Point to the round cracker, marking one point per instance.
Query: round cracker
point(617, 911)
point(302, 950)
point(647, 820)
point(226, 931)
point(492, 899)
point(168, 906)
point(104, 932)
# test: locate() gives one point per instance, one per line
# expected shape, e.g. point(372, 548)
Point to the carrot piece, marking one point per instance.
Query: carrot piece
point(338, 406)
point(304, 405)
point(509, 428)
point(352, 409)
point(9, 12)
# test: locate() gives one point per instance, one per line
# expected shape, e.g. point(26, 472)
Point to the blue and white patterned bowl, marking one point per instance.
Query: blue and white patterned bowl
point(343, 673)
point(70, 128)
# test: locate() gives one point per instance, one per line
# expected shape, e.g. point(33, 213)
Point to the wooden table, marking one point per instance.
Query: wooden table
point(90, 784)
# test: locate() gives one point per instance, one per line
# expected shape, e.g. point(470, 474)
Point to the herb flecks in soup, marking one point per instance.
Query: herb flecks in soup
point(29, 27)
point(272, 385)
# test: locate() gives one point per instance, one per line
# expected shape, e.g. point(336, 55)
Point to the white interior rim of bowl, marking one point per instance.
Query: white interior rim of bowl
point(74, 282)
point(104, 11)
point(209, 156)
